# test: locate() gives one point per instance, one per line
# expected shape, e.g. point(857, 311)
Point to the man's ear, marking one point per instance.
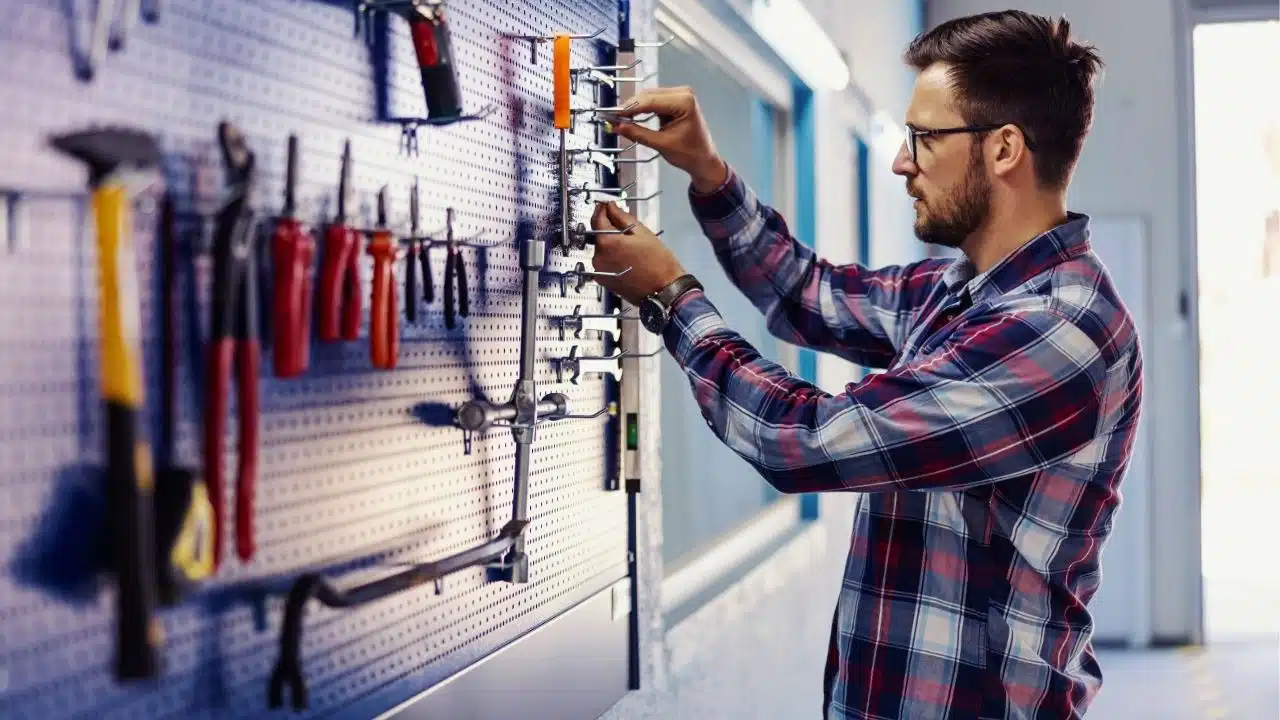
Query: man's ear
point(1007, 150)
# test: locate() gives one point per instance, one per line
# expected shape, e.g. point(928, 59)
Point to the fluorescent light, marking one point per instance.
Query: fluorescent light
point(887, 135)
point(799, 39)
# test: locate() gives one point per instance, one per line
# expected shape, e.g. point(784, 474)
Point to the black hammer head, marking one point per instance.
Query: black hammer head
point(105, 150)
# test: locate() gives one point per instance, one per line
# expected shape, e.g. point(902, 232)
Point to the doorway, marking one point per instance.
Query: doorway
point(1237, 141)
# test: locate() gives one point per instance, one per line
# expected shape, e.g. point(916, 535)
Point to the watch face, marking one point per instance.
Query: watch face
point(653, 315)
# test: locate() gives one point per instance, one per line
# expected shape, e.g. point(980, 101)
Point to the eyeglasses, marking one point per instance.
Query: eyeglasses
point(913, 133)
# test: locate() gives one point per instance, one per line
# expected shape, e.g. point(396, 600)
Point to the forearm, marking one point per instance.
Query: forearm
point(964, 417)
point(849, 310)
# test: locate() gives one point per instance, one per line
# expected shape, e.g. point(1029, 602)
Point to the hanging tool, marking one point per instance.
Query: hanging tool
point(120, 161)
point(384, 317)
point(183, 513)
point(561, 73)
point(574, 365)
point(340, 296)
point(124, 24)
point(428, 281)
point(234, 341)
point(604, 324)
point(414, 243)
point(151, 10)
point(93, 56)
point(433, 46)
point(455, 278)
point(287, 672)
point(292, 250)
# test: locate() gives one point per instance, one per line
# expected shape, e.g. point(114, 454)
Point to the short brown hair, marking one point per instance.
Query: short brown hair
point(1015, 67)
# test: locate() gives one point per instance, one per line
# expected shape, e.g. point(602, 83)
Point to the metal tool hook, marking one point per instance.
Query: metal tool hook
point(409, 126)
point(662, 43)
point(536, 40)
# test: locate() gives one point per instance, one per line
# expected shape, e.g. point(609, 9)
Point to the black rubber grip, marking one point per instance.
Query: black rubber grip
point(130, 519)
point(411, 286)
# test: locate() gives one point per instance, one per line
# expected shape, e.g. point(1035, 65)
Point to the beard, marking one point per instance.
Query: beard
point(949, 220)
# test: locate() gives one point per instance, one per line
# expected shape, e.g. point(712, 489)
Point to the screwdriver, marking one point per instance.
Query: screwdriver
point(340, 273)
point(384, 318)
point(292, 251)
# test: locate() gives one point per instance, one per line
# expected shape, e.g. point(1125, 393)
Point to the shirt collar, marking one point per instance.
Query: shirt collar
point(1057, 245)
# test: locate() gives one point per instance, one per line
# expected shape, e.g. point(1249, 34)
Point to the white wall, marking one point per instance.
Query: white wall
point(1135, 161)
point(873, 35)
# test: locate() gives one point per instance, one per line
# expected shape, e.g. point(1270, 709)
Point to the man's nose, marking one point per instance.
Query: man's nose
point(902, 163)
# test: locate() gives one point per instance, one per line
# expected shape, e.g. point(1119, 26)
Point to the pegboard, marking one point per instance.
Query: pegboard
point(353, 476)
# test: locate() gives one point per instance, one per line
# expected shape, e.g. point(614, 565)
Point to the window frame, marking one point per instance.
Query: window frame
point(717, 564)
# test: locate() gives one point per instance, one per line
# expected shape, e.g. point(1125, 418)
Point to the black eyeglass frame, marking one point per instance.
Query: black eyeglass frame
point(913, 133)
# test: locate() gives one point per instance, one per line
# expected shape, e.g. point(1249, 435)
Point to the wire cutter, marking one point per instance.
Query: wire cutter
point(292, 250)
point(384, 317)
point(233, 341)
point(340, 272)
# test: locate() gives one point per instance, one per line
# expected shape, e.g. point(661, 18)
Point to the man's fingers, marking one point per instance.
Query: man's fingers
point(619, 217)
point(639, 134)
point(600, 217)
point(665, 102)
point(608, 216)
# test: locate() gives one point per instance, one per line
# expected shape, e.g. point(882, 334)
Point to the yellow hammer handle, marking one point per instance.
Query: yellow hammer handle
point(118, 305)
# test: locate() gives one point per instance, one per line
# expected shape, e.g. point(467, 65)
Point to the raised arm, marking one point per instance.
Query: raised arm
point(1006, 395)
point(852, 311)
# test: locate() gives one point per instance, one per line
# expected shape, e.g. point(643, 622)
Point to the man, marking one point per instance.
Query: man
point(992, 446)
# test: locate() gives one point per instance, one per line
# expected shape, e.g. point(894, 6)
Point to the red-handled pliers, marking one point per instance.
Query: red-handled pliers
point(384, 314)
point(234, 340)
point(340, 272)
point(292, 250)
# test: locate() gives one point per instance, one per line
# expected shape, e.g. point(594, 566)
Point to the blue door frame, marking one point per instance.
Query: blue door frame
point(806, 227)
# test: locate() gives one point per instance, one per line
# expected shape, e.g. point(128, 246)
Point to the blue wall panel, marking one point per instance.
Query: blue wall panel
point(356, 472)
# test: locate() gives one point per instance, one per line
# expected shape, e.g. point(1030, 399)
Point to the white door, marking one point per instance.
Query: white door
point(1121, 607)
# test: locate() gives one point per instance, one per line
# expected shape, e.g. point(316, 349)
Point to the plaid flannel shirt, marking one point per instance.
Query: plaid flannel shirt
point(991, 449)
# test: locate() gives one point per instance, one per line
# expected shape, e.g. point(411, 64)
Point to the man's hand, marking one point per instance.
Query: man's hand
point(683, 141)
point(652, 266)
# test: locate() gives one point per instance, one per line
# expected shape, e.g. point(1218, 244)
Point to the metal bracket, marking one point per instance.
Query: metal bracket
point(576, 366)
point(409, 126)
point(586, 190)
point(477, 416)
point(577, 322)
point(662, 43)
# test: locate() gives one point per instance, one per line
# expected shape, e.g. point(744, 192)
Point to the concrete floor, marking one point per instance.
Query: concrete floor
point(1231, 679)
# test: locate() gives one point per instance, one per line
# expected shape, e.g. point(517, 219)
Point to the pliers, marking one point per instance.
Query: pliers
point(384, 313)
point(234, 340)
point(340, 272)
point(455, 277)
point(292, 250)
point(417, 253)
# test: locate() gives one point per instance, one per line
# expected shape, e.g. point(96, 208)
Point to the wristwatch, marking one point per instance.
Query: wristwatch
point(655, 310)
